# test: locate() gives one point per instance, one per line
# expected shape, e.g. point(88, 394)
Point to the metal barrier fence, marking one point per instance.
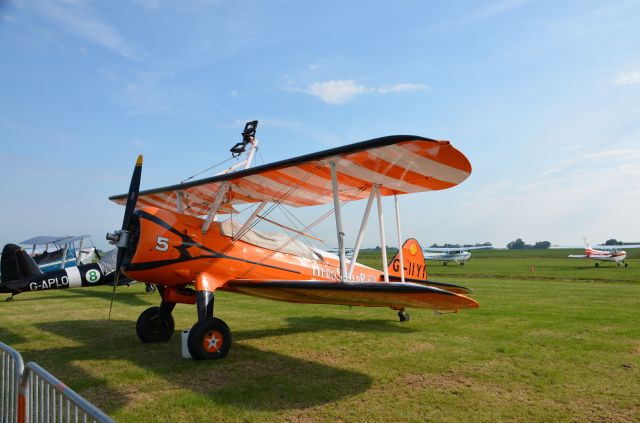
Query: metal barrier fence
point(10, 375)
point(31, 394)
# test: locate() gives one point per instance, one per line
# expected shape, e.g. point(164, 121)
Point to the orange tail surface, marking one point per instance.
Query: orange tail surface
point(414, 265)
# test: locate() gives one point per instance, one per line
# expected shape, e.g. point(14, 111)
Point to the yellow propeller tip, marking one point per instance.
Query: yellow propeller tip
point(139, 161)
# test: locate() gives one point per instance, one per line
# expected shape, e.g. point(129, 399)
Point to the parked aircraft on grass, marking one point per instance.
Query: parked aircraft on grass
point(20, 273)
point(614, 253)
point(457, 255)
point(178, 240)
point(58, 252)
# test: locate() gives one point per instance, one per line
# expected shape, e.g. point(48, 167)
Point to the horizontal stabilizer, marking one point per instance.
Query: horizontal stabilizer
point(442, 285)
point(395, 295)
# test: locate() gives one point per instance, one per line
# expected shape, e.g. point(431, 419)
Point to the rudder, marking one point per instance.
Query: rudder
point(414, 264)
point(16, 264)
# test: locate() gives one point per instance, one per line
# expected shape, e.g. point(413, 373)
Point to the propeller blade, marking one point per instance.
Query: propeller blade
point(132, 196)
point(132, 199)
point(113, 292)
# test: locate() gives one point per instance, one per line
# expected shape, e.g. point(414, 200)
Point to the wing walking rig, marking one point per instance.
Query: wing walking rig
point(176, 239)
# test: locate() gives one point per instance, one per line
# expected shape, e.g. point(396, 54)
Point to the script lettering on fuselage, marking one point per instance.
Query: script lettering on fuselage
point(333, 273)
point(51, 283)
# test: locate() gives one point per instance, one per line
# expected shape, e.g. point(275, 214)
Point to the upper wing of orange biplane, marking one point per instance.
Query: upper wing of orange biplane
point(397, 164)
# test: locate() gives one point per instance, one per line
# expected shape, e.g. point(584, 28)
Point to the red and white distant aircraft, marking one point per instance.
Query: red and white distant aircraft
point(613, 253)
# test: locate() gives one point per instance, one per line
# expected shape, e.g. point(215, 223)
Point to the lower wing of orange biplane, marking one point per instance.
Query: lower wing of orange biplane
point(395, 295)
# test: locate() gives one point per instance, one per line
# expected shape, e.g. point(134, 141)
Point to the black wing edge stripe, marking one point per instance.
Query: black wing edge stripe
point(337, 286)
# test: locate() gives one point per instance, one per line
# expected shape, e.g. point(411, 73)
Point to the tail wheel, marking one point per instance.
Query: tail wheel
point(403, 315)
point(209, 339)
point(151, 327)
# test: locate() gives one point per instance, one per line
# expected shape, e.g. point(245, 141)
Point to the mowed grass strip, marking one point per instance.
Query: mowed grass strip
point(553, 348)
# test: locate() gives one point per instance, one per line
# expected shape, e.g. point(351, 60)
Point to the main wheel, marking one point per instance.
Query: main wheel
point(597, 264)
point(444, 263)
point(626, 265)
point(150, 327)
point(403, 315)
point(209, 339)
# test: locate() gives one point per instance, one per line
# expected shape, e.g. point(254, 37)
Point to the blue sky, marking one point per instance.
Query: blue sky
point(543, 97)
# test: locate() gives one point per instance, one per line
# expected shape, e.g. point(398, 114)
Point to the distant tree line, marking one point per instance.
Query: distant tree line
point(614, 241)
point(519, 244)
point(484, 244)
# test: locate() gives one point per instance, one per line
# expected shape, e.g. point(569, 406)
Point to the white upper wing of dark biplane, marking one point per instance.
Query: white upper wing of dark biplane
point(397, 164)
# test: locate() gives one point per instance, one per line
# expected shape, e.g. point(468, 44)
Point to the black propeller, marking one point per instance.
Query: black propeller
point(121, 238)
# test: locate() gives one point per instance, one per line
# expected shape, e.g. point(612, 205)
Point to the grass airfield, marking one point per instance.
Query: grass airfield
point(554, 340)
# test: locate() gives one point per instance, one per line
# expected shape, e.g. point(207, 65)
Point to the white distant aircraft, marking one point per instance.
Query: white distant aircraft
point(613, 253)
point(456, 254)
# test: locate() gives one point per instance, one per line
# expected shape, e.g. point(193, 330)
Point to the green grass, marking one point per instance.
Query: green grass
point(559, 344)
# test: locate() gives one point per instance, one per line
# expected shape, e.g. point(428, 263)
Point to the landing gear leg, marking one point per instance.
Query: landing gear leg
point(156, 324)
point(403, 315)
point(210, 337)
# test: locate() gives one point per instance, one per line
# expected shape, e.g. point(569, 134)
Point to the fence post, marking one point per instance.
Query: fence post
point(10, 376)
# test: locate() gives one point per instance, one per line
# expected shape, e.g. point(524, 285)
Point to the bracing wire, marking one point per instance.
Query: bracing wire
point(206, 170)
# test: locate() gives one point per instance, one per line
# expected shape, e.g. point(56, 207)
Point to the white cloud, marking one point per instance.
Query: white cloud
point(628, 78)
point(77, 18)
point(342, 90)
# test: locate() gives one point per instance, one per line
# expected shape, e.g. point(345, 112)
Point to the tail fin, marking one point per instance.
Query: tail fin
point(16, 264)
point(414, 265)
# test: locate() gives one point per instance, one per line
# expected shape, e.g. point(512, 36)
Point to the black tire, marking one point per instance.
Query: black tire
point(209, 339)
point(444, 263)
point(404, 316)
point(597, 264)
point(626, 265)
point(150, 327)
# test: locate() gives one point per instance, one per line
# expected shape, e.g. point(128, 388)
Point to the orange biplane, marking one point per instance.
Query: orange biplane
point(177, 240)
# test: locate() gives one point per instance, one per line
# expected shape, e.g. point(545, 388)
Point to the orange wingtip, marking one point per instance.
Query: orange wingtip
point(139, 161)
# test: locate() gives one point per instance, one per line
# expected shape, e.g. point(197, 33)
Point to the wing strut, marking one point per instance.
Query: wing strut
point(363, 226)
point(340, 232)
point(79, 251)
point(399, 239)
point(249, 221)
point(217, 202)
point(383, 241)
point(180, 201)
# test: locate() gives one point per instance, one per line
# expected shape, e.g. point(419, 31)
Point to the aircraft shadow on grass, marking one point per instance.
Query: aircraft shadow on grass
point(249, 378)
point(316, 323)
point(133, 300)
